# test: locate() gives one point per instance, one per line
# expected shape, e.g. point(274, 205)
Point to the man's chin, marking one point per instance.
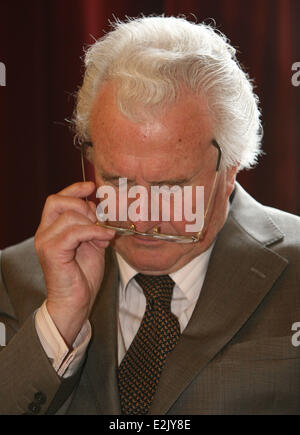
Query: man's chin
point(150, 268)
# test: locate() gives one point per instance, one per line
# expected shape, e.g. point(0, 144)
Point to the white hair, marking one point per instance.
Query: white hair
point(150, 58)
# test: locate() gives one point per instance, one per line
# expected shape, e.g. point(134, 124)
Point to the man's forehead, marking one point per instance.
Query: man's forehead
point(185, 114)
point(153, 140)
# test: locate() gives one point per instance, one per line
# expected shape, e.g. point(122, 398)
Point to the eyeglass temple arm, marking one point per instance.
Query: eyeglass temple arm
point(82, 161)
point(215, 144)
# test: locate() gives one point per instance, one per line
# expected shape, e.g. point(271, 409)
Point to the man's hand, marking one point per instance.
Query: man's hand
point(71, 249)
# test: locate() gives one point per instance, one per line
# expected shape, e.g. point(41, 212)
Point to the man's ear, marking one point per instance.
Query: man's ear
point(231, 173)
point(89, 151)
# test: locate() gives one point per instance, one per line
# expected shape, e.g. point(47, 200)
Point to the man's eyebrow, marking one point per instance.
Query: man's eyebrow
point(171, 181)
point(107, 176)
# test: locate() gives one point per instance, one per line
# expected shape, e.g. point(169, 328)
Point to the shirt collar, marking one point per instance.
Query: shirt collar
point(188, 277)
point(126, 272)
point(185, 278)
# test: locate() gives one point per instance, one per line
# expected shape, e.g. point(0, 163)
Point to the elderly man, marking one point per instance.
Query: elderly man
point(146, 317)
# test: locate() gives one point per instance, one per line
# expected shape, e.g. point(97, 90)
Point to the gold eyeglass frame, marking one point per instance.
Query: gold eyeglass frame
point(156, 234)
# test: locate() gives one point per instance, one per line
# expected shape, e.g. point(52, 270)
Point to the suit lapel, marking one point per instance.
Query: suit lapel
point(101, 364)
point(241, 272)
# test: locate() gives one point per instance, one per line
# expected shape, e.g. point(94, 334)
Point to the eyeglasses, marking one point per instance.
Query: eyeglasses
point(156, 234)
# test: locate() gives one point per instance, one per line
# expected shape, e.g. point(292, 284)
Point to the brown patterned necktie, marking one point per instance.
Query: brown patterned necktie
point(141, 367)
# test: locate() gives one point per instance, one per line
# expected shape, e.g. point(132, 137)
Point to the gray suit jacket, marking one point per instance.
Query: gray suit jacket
point(236, 355)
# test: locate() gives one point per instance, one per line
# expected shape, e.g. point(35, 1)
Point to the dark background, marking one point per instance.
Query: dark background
point(41, 44)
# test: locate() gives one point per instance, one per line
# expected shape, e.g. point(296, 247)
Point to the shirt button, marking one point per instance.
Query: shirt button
point(34, 407)
point(40, 397)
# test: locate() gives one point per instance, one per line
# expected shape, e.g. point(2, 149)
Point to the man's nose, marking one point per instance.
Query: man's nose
point(140, 209)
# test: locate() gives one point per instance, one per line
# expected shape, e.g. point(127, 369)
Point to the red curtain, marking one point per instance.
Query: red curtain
point(41, 45)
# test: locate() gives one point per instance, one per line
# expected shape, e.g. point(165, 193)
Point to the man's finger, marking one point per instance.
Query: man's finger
point(56, 205)
point(66, 243)
point(63, 222)
point(78, 190)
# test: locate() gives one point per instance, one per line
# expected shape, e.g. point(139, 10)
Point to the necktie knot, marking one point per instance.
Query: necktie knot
point(156, 288)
